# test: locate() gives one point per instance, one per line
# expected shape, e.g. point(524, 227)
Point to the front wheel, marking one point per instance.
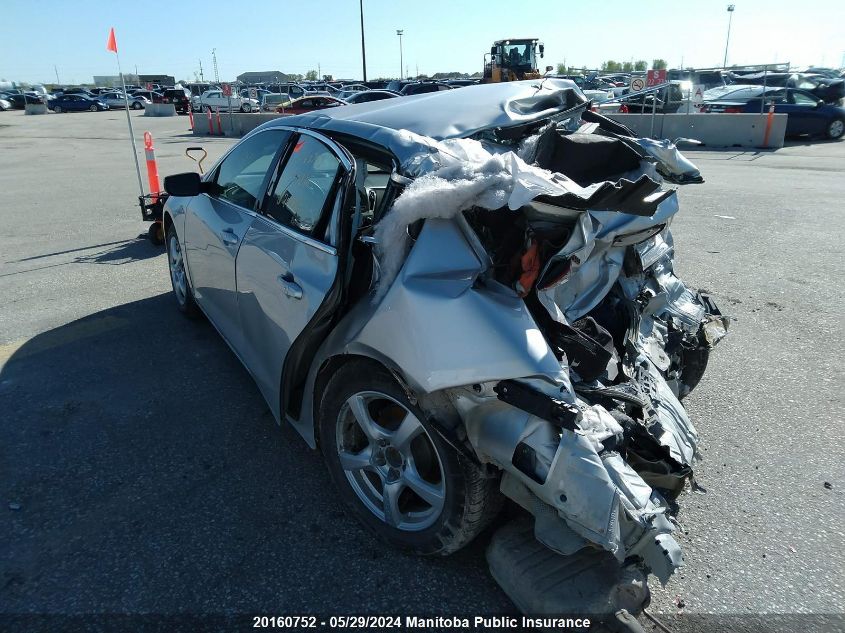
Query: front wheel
point(178, 277)
point(57, 109)
point(137, 105)
point(93, 108)
point(836, 129)
point(393, 471)
point(246, 108)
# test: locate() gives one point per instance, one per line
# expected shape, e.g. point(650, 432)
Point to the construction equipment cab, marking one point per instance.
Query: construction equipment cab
point(512, 60)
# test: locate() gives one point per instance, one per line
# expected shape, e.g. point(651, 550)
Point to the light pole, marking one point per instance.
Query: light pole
point(728, 40)
point(363, 48)
point(214, 57)
point(399, 32)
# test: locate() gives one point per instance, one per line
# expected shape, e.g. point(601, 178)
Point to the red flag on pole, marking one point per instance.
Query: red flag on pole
point(111, 45)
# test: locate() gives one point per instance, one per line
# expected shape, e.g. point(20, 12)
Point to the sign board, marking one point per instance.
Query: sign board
point(697, 96)
point(637, 84)
point(227, 90)
point(656, 77)
point(253, 93)
point(149, 86)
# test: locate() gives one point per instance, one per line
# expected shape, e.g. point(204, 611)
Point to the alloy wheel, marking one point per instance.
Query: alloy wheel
point(177, 269)
point(390, 461)
point(836, 128)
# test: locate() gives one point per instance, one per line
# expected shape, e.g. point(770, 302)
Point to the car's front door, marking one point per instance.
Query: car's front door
point(803, 113)
point(216, 223)
point(288, 260)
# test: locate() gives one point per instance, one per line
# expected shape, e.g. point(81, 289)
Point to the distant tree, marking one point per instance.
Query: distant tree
point(658, 64)
point(627, 67)
point(311, 75)
point(611, 66)
point(295, 77)
point(561, 69)
point(640, 64)
point(476, 74)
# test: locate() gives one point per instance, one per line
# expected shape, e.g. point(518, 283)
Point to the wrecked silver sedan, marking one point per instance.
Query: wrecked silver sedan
point(461, 297)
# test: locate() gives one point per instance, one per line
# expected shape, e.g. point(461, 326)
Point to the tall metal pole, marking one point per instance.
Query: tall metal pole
point(399, 32)
point(57, 75)
point(363, 48)
point(728, 40)
point(129, 121)
point(214, 57)
point(202, 77)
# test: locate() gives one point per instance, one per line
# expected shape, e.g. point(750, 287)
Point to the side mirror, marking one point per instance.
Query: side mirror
point(184, 185)
point(819, 103)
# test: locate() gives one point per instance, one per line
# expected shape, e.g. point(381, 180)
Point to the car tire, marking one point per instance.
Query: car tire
point(178, 276)
point(57, 109)
point(137, 105)
point(835, 129)
point(442, 499)
point(246, 108)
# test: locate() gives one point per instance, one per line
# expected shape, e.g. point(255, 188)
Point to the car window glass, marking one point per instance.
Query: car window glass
point(806, 84)
point(304, 186)
point(802, 99)
point(241, 174)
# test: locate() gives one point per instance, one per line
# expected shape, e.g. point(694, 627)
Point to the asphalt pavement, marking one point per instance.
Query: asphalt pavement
point(141, 471)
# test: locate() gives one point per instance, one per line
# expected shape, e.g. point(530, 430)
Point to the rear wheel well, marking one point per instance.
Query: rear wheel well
point(167, 221)
point(328, 369)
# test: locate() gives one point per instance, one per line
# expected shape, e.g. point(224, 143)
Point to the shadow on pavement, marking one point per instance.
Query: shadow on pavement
point(140, 470)
point(115, 254)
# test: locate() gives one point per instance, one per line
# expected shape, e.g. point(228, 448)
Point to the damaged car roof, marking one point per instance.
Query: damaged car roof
point(446, 114)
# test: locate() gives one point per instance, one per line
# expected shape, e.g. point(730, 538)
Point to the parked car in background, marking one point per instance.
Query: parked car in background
point(309, 104)
point(153, 96)
point(5, 104)
point(422, 87)
point(461, 83)
point(806, 113)
point(365, 96)
point(272, 100)
point(396, 85)
point(669, 100)
point(76, 103)
point(259, 92)
point(707, 78)
point(293, 90)
point(77, 91)
point(116, 100)
point(179, 97)
point(215, 99)
point(20, 101)
point(826, 89)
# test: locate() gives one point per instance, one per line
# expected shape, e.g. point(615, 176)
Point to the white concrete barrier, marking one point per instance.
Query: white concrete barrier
point(236, 125)
point(35, 108)
point(160, 109)
point(713, 130)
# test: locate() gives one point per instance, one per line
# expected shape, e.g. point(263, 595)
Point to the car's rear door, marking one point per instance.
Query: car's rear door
point(216, 223)
point(289, 257)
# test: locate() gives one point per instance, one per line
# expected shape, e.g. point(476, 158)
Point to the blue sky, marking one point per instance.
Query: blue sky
point(171, 37)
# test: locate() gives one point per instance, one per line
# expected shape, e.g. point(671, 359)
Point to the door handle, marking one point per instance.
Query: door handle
point(228, 236)
point(290, 287)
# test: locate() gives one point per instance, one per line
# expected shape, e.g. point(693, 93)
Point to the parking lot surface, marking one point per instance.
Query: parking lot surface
point(140, 470)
